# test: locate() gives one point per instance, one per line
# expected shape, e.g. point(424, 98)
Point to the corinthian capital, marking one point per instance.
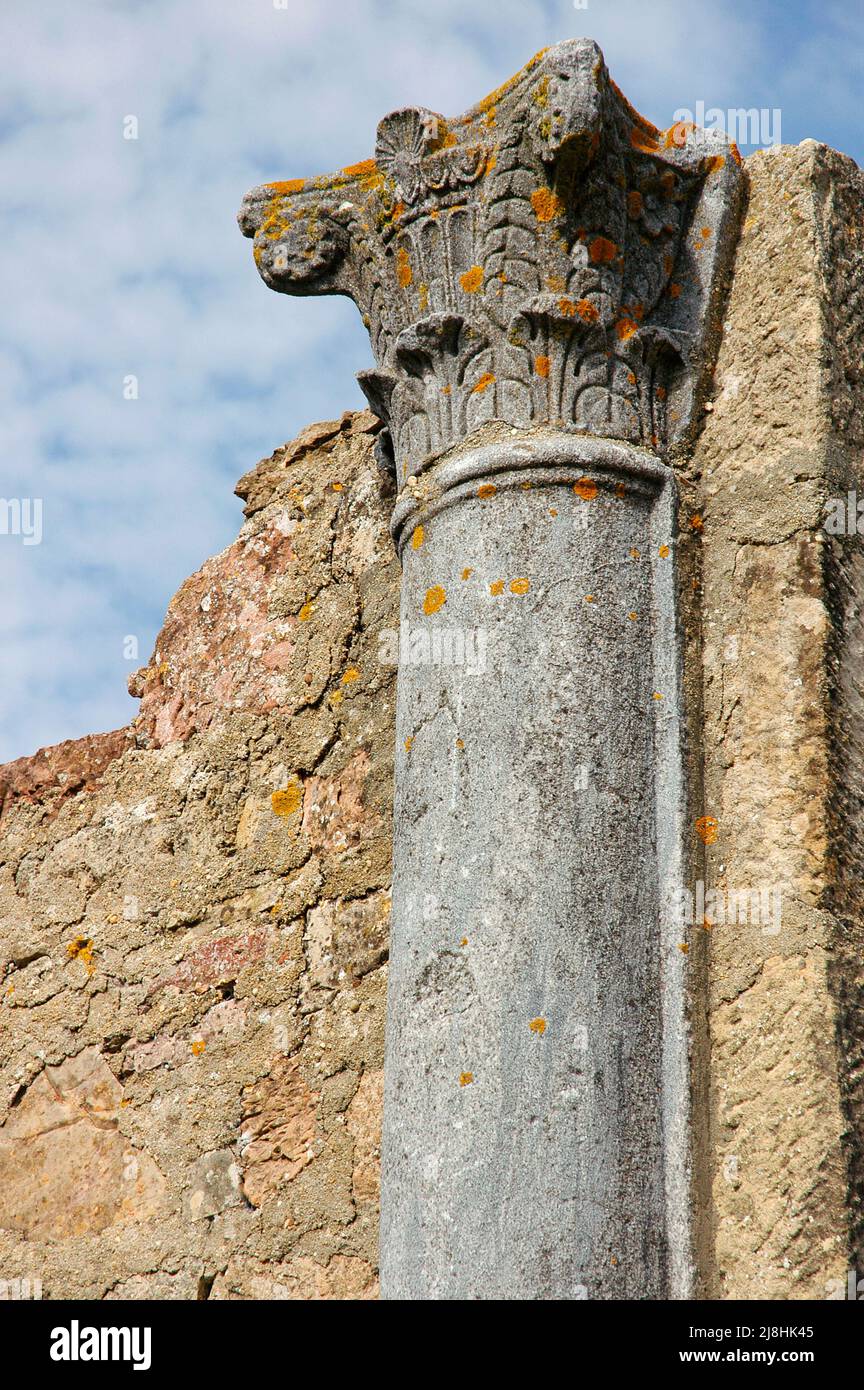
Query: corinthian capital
point(549, 257)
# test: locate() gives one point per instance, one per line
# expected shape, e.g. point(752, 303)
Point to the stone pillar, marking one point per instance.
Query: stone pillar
point(541, 280)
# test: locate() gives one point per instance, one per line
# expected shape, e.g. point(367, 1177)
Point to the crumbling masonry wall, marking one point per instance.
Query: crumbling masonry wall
point(195, 918)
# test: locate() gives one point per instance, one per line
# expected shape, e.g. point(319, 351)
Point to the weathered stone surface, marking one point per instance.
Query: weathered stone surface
point(535, 1117)
point(783, 736)
point(65, 1167)
point(180, 1048)
point(548, 257)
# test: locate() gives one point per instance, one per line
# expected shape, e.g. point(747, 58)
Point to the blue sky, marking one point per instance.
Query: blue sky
point(122, 257)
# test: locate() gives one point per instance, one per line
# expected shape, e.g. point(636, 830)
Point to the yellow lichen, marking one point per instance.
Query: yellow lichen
point(361, 170)
point(82, 949)
point(472, 280)
point(287, 186)
point(546, 204)
point(350, 676)
point(485, 381)
point(466, 1078)
point(486, 490)
point(417, 537)
point(435, 599)
point(288, 800)
point(538, 1026)
point(520, 586)
point(585, 488)
point(706, 828)
point(404, 273)
point(496, 587)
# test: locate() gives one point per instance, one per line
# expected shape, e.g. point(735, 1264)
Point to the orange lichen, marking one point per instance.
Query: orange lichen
point(663, 552)
point(632, 617)
point(82, 949)
point(656, 695)
point(287, 801)
point(674, 290)
point(589, 598)
point(634, 553)
point(198, 1047)
point(361, 170)
point(460, 743)
point(643, 141)
point(486, 490)
point(697, 522)
point(587, 311)
point(408, 742)
point(338, 487)
point(683, 947)
point(472, 280)
point(714, 163)
point(706, 828)
point(620, 490)
point(417, 537)
point(485, 380)
point(350, 676)
point(466, 1078)
point(467, 572)
point(520, 586)
point(538, 1026)
point(306, 612)
point(585, 488)
point(546, 204)
point(567, 308)
point(676, 136)
point(445, 390)
point(464, 941)
point(706, 232)
point(404, 273)
point(602, 250)
point(625, 328)
point(541, 365)
point(634, 203)
point(436, 598)
point(491, 101)
point(496, 587)
point(287, 186)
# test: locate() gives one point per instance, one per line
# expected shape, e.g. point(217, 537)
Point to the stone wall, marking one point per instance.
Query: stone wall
point(782, 736)
point(195, 916)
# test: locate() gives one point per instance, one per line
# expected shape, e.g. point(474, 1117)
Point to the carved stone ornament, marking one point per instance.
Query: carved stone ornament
point(549, 257)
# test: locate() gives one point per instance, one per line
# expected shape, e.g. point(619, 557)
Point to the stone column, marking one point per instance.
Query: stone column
point(541, 280)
